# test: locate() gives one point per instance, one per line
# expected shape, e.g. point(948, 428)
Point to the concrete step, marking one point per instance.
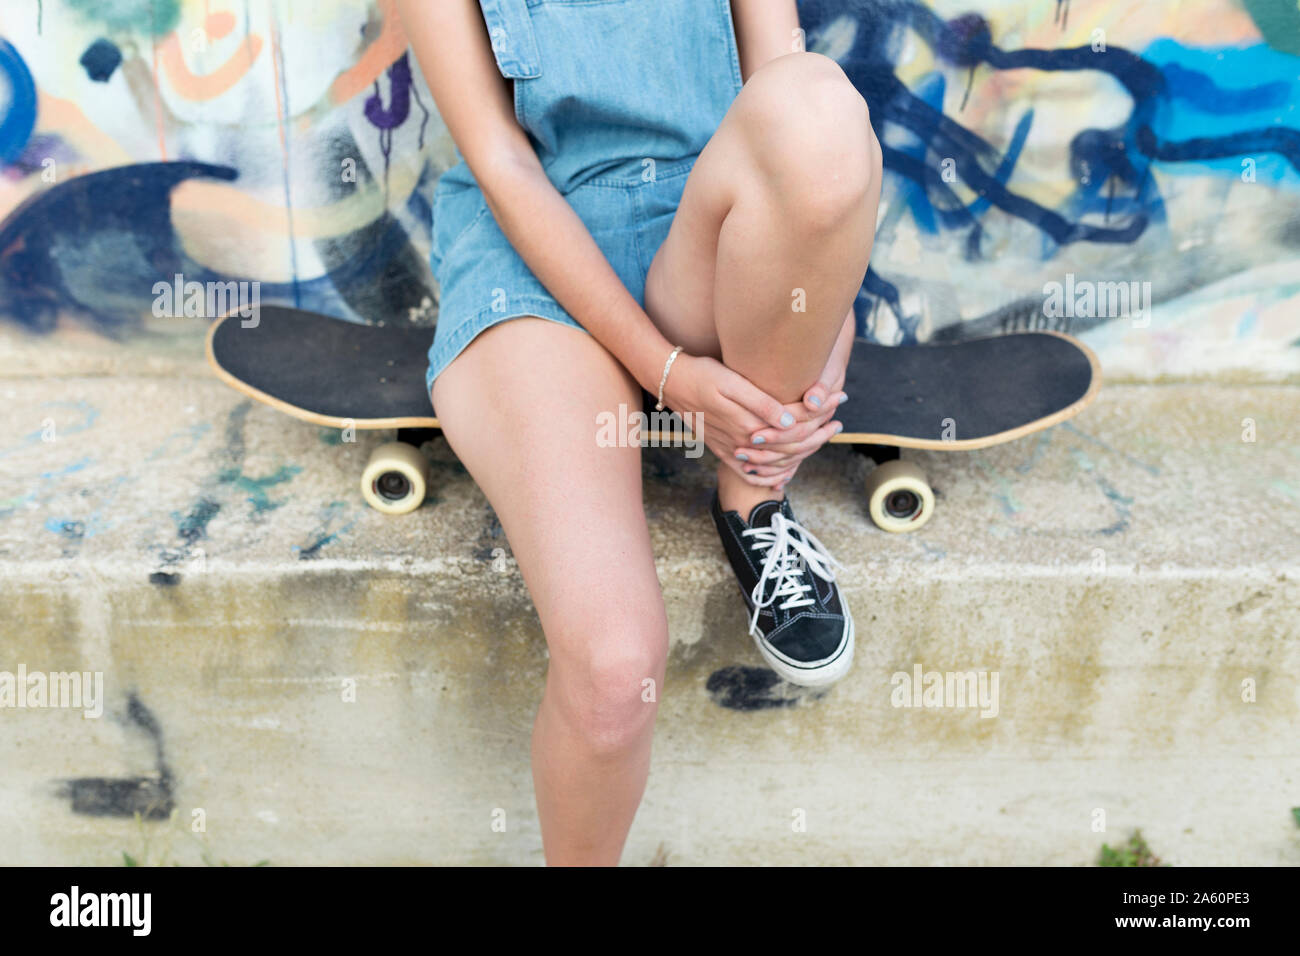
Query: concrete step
point(1130, 577)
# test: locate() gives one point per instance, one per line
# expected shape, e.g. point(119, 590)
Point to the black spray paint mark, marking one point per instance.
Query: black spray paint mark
point(193, 526)
point(755, 688)
point(164, 579)
point(490, 538)
point(1062, 14)
point(150, 796)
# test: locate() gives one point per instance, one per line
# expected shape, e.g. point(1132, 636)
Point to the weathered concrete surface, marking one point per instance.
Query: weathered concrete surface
point(1123, 575)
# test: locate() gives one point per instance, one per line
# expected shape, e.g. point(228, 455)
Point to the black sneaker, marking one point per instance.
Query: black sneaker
point(798, 618)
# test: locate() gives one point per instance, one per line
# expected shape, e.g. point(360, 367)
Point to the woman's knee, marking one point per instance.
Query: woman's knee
point(607, 683)
point(811, 135)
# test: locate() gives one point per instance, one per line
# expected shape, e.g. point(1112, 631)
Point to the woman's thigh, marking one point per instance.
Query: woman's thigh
point(797, 145)
point(519, 407)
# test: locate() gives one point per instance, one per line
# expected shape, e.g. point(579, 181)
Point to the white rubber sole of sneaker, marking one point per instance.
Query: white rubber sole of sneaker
point(822, 676)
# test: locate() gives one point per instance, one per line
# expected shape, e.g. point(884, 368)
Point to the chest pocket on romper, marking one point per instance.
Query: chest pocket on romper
point(510, 28)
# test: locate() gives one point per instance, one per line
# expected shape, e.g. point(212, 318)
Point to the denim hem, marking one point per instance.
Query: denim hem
point(444, 351)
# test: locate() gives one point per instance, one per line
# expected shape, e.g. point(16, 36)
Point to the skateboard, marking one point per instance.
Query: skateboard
point(951, 397)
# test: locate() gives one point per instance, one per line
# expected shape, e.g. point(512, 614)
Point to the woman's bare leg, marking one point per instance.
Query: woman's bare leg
point(771, 240)
point(519, 408)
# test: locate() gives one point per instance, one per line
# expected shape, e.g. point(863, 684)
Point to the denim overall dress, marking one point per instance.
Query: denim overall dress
point(617, 97)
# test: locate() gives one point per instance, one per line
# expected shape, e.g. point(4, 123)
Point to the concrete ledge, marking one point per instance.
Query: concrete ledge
point(1123, 575)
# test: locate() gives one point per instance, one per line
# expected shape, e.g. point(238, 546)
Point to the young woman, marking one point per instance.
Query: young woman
point(657, 195)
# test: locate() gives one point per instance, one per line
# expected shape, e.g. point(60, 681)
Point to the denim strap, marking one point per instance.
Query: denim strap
point(510, 27)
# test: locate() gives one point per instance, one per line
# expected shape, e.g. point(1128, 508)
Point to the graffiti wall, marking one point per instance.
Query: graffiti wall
point(289, 142)
point(1127, 170)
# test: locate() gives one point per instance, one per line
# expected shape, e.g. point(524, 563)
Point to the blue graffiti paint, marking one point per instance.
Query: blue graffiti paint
point(418, 206)
point(19, 118)
point(1154, 91)
point(72, 469)
point(47, 483)
point(930, 90)
point(101, 519)
point(1075, 430)
point(256, 488)
point(193, 526)
point(886, 291)
point(89, 415)
point(1123, 507)
point(97, 522)
point(1209, 125)
point(192, 434)
point(101, 60)
point(1040, 446)
point(1179, 115)
point(1004, 494)
point(1101, 163)
point(67, 528)
point(322, 535)
point(94, 246)
point(1008, 164)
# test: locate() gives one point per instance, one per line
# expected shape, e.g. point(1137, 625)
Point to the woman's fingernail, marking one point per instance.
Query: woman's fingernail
point(839, 427)
point(759, 439)
point(787, 420)
point(844, 397)
point(814, 401)
point(742, 456)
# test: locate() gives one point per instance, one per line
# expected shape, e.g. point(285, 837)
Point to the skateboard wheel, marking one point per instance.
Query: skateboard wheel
point(898, 496)
point(395, 478)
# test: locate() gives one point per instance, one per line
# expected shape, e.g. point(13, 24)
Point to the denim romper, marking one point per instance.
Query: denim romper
point(617, 97)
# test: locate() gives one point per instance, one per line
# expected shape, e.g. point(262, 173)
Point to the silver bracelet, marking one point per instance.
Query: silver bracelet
point(667, 365)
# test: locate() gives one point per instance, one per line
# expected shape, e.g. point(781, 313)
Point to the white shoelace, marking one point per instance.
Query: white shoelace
point(785, 542)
